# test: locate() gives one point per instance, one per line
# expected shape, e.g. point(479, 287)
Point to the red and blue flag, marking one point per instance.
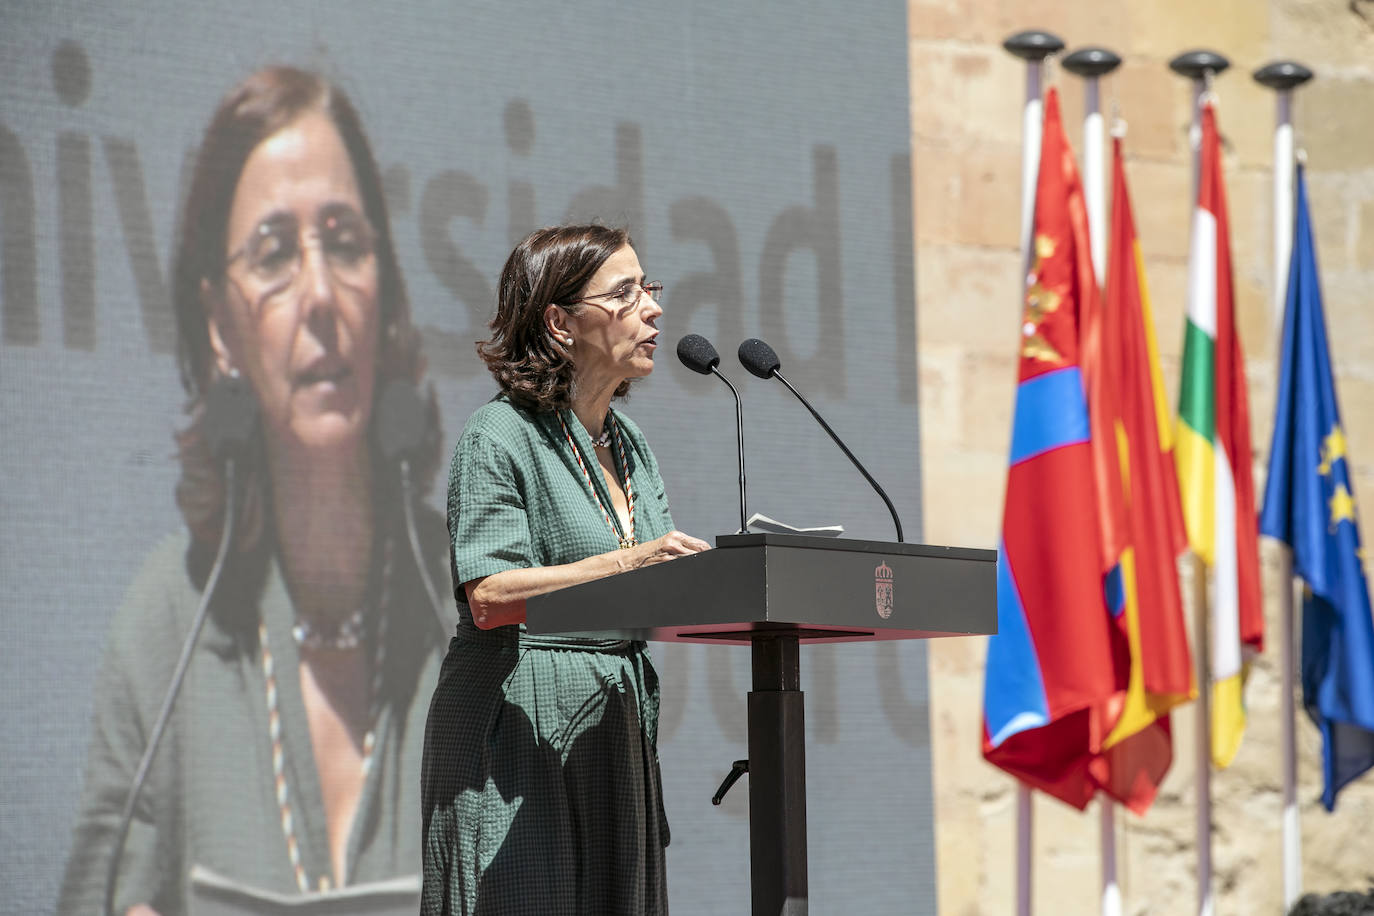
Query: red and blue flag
point(1056, 670)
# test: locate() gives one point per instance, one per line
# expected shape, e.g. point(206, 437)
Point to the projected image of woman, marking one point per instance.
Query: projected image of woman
point(541, 784)
point(290, 761)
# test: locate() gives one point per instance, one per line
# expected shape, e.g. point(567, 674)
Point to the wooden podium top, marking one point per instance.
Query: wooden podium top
point(818, 589)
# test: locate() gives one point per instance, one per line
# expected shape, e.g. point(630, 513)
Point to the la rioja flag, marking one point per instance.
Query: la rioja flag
point(1213, 453)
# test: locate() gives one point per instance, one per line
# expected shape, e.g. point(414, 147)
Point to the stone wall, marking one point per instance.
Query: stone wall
point(965, 114)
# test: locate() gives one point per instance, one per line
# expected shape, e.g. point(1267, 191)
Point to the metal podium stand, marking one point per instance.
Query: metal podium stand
point(774, 592)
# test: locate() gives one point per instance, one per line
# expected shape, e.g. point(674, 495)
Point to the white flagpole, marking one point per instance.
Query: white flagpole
point(1200, 67)
point(1033, 47)
point(1092, 64)
point(1283, 77)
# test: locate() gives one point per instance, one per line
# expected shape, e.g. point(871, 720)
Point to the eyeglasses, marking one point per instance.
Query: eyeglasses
point(273, 253)
point(626, 295)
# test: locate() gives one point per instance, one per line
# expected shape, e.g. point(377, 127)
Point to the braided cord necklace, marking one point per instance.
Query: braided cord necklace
point(283, 792)
point(628, 539)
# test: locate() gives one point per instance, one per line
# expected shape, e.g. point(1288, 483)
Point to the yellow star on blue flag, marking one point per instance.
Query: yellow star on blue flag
point(1332, 450)
point(1342, 506)
point(1310, 505)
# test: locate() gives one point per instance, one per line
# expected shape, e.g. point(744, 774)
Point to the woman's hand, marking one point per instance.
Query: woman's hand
point(671, 545)
point(499, 599)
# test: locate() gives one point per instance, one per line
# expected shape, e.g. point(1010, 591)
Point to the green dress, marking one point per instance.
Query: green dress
point(541, 790)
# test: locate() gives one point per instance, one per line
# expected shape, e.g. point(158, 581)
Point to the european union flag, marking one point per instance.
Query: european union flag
point(1309, 503)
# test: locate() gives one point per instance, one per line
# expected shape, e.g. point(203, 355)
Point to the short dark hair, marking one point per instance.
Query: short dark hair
point(264, 103)
point(550, 266)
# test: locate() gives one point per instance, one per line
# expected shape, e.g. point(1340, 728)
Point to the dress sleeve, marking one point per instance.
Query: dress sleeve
point(488, 522)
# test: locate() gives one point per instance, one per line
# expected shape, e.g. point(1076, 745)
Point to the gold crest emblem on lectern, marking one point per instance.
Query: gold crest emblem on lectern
point(883, 590)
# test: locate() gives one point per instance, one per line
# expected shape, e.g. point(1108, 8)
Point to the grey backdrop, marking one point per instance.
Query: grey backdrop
point(758, 152)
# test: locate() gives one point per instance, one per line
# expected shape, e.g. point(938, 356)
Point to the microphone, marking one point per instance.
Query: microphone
point(401, 428)
point(402, 415)
point(697, 354)
point(227, 424)
point(230, 418)
point(761, 360)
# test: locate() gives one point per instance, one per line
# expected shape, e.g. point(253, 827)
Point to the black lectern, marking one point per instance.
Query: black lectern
point(774, 592)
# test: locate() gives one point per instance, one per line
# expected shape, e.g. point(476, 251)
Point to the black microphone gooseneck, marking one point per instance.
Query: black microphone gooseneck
point(761, 360)
point(441, 618)
point(230, 416)
point(697, 354)
point(401, 426)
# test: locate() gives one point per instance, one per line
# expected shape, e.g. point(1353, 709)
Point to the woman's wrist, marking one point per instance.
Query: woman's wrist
point(625, 560)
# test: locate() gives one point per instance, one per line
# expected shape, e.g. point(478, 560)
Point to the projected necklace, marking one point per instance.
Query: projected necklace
point(345, 636)
point(283, 791)
point(627, 540)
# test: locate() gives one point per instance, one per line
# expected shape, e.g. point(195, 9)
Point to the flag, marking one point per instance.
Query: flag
point(1213, 453)
point(1309, 504)
point(1139, 750)
point(1057, 659)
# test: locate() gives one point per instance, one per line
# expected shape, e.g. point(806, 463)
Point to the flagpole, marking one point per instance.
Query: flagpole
point(1200, 67)
point(1283, 77)
point(1032, 46)
point(1092, 64)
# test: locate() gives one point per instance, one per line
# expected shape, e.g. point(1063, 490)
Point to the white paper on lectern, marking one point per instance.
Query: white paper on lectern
point(761, 524)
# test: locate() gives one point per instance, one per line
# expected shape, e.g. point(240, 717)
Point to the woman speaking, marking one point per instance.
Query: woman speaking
point(541, 790)
point(288, 767)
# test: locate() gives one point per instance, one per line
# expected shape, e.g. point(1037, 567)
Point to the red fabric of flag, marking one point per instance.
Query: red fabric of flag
point(1058, 661)
point(1140, 750)
point(1232, 398)
point(1156, 515)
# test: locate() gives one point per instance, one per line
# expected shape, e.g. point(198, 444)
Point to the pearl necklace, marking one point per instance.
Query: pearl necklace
point(344, 636)
point(274, 729)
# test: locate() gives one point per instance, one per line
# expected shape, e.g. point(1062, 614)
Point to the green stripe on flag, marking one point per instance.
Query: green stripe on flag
point(1197, 399)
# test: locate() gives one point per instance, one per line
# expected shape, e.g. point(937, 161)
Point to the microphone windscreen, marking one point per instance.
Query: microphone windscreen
point(758, 358)
point(697, 354)
point(400, 425)
point(231, 416)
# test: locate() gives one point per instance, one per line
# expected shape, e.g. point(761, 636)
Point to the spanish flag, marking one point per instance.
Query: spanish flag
point(1146, 603)
point(1213, 453)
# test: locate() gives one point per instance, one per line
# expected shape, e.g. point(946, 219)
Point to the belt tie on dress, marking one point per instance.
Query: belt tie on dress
point(513, 636)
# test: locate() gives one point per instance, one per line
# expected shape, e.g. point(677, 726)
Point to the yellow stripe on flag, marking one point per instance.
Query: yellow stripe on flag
point(1141, 708)
point(1197, 484)
point(1147, 321)
point(1228, 719)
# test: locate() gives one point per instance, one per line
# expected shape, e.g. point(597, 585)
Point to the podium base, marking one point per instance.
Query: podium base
point(777, 778)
